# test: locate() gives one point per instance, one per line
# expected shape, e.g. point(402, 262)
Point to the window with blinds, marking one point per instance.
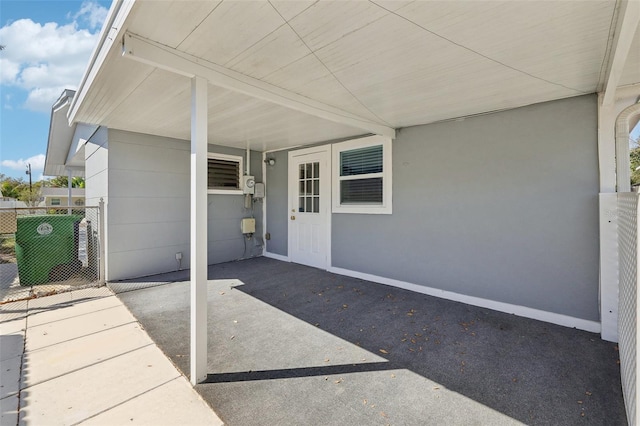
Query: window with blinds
point(223, 173)
point(362, 177)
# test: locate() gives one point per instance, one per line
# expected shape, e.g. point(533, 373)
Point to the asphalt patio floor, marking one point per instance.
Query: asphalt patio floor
point(291, 345)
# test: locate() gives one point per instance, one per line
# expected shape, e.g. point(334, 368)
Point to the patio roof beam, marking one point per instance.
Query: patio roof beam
point(164, 57)
point(628, 22)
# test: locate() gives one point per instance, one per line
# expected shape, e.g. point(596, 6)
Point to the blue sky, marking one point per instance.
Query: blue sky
point(48, 44)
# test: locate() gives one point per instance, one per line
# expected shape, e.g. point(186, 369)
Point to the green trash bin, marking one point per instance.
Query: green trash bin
point(44, 245)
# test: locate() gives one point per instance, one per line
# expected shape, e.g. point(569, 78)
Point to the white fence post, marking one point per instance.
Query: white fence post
point(101, 238)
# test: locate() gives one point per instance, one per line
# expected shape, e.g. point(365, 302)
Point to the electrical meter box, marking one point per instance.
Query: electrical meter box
point(259, 190)
point(248, 184)
point(248, 225)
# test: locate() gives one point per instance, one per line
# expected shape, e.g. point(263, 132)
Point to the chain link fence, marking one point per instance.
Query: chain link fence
point(49, 250)
point(628, 218)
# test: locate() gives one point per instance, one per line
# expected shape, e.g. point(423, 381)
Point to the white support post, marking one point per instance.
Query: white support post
point(198, 230)
point(609, 266)
point(608, 222)
point(606, 145)
point(69, 191)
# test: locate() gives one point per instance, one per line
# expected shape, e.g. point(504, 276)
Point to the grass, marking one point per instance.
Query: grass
point(7, 249)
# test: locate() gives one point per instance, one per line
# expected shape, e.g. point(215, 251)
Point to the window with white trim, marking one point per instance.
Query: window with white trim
point(362, 176)
point(224, 174)
point(55, 201)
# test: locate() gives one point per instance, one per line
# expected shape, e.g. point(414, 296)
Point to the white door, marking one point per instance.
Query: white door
point(309, 206)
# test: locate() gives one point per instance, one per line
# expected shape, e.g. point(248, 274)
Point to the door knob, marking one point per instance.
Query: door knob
point(293, 218)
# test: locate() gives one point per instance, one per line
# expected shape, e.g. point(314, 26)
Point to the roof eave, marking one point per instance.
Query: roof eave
point(111, 33)
point(60, 135)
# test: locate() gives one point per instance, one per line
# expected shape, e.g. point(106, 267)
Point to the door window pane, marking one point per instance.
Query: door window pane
point(309, 188)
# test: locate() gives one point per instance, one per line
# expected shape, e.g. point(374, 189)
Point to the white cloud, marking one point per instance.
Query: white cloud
point(7, 101)
point(37, 163)
point(92, 13)
point(44, 59)
point(41, 99)
point(8, 70)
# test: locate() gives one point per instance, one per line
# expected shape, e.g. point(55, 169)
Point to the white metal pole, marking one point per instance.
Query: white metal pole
point(248, 166)
point(264, 203)
point(198, 230)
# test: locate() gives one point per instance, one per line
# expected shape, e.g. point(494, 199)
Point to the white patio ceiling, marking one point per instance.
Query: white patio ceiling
point(394, 63)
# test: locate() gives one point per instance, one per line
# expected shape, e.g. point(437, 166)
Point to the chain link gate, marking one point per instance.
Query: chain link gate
point(49, 250)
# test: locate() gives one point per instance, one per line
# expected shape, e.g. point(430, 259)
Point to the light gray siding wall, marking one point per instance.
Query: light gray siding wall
point(149, 207)
point(96, 168)
point(502, 207)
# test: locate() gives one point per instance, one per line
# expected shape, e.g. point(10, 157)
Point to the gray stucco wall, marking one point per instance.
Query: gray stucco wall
point(148, 207)
point(501, 206)
point(276, 203)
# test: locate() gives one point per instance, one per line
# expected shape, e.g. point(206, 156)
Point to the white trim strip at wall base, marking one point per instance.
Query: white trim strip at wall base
point(522, 311)
point(276, 256)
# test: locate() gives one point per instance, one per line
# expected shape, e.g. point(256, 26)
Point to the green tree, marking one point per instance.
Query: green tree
point(63, 182)
point(634, 158)
point(10, 187)
point(30, 197)
point(18, 189)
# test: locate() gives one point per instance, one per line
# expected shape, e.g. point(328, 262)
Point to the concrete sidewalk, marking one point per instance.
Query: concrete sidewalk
point(81, 357)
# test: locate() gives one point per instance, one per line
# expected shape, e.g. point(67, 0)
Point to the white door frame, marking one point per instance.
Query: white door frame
point(324, 194)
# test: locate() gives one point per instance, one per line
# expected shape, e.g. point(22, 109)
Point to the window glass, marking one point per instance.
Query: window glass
point(309, 188)
point(361, 161)
point(224, 173)
point(361, 191)
point(362, 176)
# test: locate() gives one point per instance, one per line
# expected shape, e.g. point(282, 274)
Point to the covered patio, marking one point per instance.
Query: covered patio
point(288, 343)
point(496, 139)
